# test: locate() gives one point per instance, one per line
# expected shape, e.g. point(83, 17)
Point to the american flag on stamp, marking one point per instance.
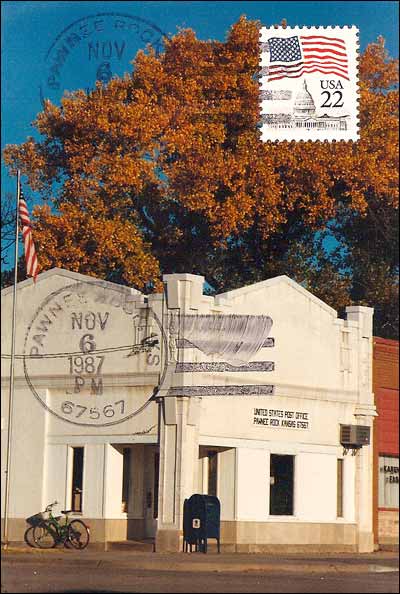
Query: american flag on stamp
point(291, 57)
point(30, 253)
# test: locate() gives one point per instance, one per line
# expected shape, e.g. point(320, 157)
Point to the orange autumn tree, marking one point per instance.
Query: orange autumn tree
point(164, 171)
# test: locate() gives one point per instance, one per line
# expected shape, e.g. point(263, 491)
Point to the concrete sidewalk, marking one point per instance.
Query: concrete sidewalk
point(380, 561)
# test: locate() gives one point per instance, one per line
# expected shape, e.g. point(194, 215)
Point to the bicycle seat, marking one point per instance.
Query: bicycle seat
point(66, 511)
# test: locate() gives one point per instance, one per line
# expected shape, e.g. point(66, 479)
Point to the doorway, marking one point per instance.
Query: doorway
point(151, 482)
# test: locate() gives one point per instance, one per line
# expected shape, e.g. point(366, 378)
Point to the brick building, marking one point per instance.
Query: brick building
point(386, 442)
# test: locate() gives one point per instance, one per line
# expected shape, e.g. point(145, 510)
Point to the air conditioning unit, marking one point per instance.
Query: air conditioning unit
point(354, 436)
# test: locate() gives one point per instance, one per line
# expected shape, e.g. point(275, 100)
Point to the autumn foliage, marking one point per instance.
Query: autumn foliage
point(164, 171)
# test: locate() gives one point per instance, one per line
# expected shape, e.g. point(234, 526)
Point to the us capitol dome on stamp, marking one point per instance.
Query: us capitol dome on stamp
point(304, 105)
point(304, 115)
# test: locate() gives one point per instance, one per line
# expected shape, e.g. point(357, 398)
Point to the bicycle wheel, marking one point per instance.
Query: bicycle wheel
point(78, 534)
point(43, 537)
point(28, 536)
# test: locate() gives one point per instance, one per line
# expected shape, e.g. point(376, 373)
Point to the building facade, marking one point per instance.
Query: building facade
point(386, 442)
point(125, 405)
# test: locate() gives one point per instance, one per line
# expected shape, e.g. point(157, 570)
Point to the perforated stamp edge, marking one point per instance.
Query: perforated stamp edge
point(274, 94)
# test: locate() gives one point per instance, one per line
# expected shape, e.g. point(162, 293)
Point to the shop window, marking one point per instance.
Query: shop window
point(156, 482)
point(339, 492)
point(126, 477)
point(389, 482)
point(77, 479)
point(212, 472)
point(281, 485)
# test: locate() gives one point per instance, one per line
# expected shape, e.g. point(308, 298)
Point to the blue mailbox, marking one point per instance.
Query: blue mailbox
point(201, 521)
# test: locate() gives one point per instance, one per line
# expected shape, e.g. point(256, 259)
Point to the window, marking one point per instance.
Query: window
point(77, 479)
point(389, 482)
point(212, 472)
point(281, 485)
point(126, 477)
point(339, 491)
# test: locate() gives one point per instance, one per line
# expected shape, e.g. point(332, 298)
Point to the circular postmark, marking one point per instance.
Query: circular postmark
point(92, 357)
point(95, 48)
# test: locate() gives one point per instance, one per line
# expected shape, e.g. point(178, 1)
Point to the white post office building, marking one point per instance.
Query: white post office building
point(125, 404)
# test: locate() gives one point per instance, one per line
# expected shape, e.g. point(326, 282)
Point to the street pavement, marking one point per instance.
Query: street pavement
point(62, 570)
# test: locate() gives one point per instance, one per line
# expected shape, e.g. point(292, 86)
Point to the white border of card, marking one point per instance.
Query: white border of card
point(309, 83)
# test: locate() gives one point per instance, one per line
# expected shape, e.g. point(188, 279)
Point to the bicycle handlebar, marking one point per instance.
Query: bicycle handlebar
point(51, 505)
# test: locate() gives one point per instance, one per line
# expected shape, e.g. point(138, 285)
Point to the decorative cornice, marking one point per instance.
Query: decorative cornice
point(221, 366)
point(234, 390)
point(183, 343)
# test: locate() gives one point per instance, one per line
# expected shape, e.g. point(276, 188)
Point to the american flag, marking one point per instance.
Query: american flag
point(30, 253)
point(292, 57)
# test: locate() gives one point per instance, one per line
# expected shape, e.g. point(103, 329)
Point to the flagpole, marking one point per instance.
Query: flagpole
point(11, 390)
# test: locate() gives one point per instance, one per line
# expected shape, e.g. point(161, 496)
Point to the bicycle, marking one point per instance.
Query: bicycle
point(48, 531)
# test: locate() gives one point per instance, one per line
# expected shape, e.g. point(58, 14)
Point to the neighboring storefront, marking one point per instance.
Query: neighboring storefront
point(386, 442)
point(125, 405)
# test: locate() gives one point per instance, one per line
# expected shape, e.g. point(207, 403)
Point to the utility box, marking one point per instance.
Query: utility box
point(201, 521)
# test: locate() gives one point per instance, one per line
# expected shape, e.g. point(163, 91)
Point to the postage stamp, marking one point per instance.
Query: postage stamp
point(96, 47)
point(309, 83)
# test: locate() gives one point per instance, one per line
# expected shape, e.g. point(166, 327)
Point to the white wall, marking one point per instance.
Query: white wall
point(58, 476)
point(306, 336)
point(27, 454)
point(233, 416)
point(349, 485)
point(252, 488)
point(315, 487)
point(93, 476)
point(226, 483)
point(113, 482)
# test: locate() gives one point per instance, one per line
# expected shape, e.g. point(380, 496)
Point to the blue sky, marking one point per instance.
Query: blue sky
point(33, 31)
